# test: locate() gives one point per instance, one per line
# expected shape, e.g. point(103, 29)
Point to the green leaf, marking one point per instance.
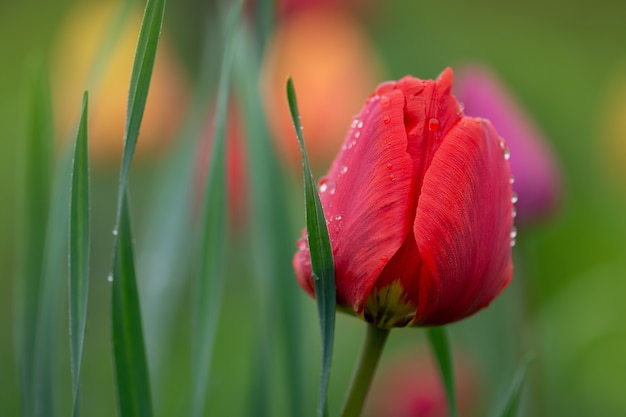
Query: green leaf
point(35, 204)
point(132, 380)
point(440, 346)
point(79, 238)
point(131, 369)
point(321, 256)
point(279, 294)
point(211, 257)
point(512, 402)
point(139, 85)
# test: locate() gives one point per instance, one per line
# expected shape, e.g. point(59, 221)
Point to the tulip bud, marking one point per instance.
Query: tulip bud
point(418, 204)
point(537, 179)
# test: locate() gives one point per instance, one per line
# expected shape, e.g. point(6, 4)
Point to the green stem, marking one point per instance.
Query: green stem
point(373, 345)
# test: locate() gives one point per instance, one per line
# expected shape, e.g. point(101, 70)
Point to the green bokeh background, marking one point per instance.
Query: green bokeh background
point(566, 303)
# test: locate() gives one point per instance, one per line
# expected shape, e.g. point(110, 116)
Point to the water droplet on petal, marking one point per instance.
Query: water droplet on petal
point(343, 169)
point(514, 198)
point(323, 185)
point(433, 124)
point(513, 232)
point(461, 108)
point(507, 153)
point(115, 232)
point(333, 188)
point(360, 124)
point(338, 217)
point(356, 136)
point(384, 101)
point(512, 180)
point(389, 166)
point(110, 278)
point(386, 119)
point(514, 213)
point(392, 178)
point(512, 242)
point(384, 258)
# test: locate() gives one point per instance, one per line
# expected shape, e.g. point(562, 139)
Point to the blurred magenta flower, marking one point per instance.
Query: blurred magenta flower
point(236, 166)
point(336, 69)
point(410, 386)
point(419, 209)
point(533, 165)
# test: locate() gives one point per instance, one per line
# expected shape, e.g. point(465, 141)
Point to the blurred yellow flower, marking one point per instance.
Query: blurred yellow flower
point(81, 42)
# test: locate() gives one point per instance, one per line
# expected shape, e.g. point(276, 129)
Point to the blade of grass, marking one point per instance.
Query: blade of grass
point(131, 369)
point(143, 65)
point(35, 203)
point(322, 262)
point(132, 379)
point(511, 404)
point(50, 325)
point(78, 259)
point(272, 240)
point(209, 272)
point(440, 346)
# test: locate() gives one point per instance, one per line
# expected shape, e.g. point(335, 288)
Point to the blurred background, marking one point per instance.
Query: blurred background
point(551, 75)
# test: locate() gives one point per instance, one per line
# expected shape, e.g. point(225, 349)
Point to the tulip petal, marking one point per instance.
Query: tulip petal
point(463, 224)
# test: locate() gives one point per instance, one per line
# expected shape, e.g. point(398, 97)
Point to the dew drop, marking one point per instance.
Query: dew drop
point(514, 198)
point(433, 124)
point(512, 242)
point(392, 178)
point(514, 213)
point(513, 232)
point(355, 122)
point(461, 108)
point(323, 185)
point(115, 232)
point(512, 180)
point(343, 169)
point(110, 278)
point(356, 136)
point(389, 166)
point(338, 217)
point(332, 188)
point(507, 153)
point(360, 124)
point(384, 101)
point(384, 258)
point(386, 119)
point(302, 243)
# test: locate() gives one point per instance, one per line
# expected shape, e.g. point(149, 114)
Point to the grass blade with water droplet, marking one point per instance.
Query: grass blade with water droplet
point(131, 368)
point(440, 346)
point(143, 65)
point(512, 402)
point(79, 247)
point(132, 380)
point(321, 256)
point(213, 236)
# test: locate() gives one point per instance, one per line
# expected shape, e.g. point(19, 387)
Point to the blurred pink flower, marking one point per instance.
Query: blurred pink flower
point(533, 165)
point(410, 386)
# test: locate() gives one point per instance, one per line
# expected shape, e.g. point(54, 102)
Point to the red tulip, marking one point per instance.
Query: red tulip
point(419, 209)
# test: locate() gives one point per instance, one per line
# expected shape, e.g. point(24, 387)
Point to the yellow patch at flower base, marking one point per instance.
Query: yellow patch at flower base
point(388, 307)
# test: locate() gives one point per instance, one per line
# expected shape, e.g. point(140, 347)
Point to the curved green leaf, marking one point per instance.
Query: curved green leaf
point(440, 346)
point(512, 402)
point(79, 248)
point(321, 256)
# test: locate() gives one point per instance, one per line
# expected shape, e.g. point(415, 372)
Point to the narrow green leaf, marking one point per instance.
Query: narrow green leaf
point(139, 84)
point(132, 380)
point(321, 256)
point(512, 402)
point(213, 236)
point(131, 368)
point(279, 295)
point(440, 346)
point(80, 232)
point(35, 203)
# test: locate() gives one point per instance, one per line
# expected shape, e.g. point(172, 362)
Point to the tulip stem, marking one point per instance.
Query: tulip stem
point(373, 345)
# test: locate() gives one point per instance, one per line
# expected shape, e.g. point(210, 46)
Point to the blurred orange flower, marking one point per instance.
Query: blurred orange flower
point(333, 67)
point(83, 36)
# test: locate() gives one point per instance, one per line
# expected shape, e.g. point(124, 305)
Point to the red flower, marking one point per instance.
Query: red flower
point(419, 209)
